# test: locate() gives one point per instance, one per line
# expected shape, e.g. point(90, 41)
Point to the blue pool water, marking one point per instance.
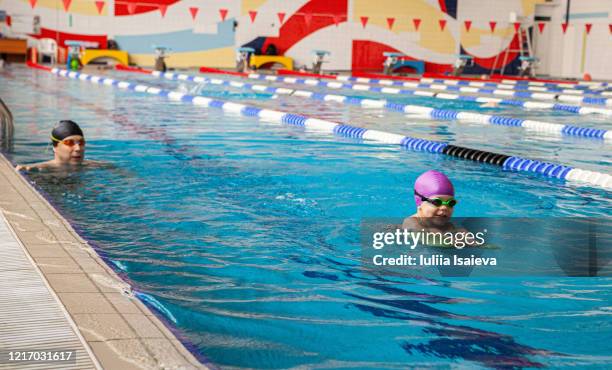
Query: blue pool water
point(245, 234)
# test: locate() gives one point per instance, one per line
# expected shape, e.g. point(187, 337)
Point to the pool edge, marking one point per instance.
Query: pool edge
point(118, 328)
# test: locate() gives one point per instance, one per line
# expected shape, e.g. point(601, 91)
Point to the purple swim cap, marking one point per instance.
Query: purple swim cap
point(432, 183)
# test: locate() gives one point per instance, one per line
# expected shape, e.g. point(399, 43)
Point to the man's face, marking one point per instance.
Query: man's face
point(71, 150)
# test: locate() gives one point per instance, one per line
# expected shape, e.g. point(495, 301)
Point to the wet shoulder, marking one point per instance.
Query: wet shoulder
point(39, 166)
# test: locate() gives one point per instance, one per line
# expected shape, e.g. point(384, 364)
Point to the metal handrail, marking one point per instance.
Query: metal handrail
point(7, 128)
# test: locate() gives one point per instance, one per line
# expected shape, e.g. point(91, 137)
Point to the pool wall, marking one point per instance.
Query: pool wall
point(434, 32)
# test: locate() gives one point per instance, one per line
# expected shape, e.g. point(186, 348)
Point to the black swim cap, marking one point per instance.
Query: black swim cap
point(64, 129)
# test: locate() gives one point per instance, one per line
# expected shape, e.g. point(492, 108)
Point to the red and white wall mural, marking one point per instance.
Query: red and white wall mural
point(355, 32)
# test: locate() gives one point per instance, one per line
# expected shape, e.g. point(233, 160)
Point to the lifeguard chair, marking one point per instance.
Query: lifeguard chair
point(243, 56)
point(460, 64)
point(319, 59)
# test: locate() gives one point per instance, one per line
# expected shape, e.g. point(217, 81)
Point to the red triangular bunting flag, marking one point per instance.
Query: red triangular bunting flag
point(336, 20)
point(390, 22)
point(468, 24)
point(9, 20)
point(131, 8)
point(541, 26)
point(252, 15)
point(587, 27)
point(564, 27)
point(66, 4)
point(417, 23)
point(307, 19)
point(364, 21)
point(610, 27)
point(162, 9)
point(492, 24)
point(33, 3)
point(100, 6)
point(223, 13)
point(516, 25)
point(281, 17)
point(194, 12)
point(442, 23)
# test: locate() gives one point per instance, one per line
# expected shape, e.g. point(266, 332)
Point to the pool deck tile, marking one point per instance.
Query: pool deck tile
point(121, 304)
point(167, 355)
point(124, 354)
point(77, 303)
point(71, 283)
point(143, 326)
point(57, 265)
point(104, 326)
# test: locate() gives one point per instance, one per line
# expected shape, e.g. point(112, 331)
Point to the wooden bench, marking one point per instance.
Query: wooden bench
point(14, 47)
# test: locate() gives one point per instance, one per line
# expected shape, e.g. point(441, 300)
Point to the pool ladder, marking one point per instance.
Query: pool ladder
point(525, 49)
point(6, 127)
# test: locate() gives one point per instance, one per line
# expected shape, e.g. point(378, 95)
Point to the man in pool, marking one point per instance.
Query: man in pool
point(68, 148)
point(434, 196)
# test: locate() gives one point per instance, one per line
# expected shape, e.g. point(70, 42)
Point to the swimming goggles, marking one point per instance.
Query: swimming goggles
point(437, 202)
point(69, 142)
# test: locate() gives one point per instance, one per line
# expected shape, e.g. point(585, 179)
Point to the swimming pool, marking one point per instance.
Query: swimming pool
point(244, 234)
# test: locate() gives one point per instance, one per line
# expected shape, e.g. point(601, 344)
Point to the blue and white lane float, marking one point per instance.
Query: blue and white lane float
point(338, 85)
point(518, 87)
point(505, 84)
point(536, 92)
point(415, 88)
point(580, 84)
point(422, 111)
point(416, 92)
point(521, 84)
point(513, 163)
point(523, 89)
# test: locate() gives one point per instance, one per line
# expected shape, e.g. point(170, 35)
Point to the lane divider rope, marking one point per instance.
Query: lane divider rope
point(578, 84)
point(578, 90)
point(595, 88)
point(465, 85)
point(520, 89)
point(481, 99)
point(512, 163)
point(425, 112)
point(492, 88)
point(416, 89)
